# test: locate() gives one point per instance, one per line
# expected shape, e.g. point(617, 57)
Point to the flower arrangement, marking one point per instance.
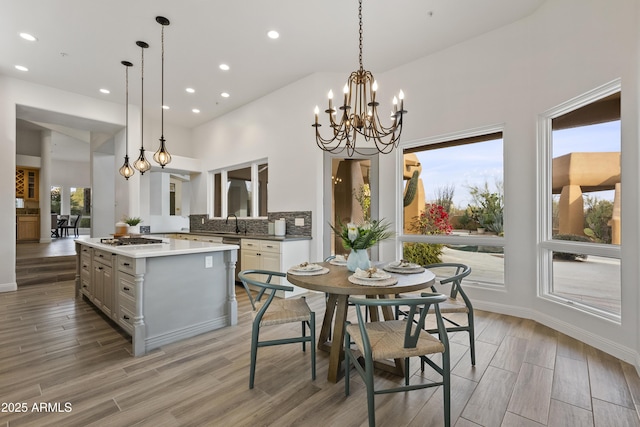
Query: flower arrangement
point(363, 236)
point(132, 220)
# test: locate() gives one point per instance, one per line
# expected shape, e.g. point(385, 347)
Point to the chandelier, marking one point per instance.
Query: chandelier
point(358, 114)
point(126, 170)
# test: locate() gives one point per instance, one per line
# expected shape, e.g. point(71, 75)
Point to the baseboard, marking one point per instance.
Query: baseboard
point(613, 348)
point(8, 287)
point(188, 332)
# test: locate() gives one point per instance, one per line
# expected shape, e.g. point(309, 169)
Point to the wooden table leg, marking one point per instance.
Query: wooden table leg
point(337, 344)
point(324, 340)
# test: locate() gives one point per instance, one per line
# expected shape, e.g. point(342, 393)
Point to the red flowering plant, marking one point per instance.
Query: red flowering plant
point(432, 220)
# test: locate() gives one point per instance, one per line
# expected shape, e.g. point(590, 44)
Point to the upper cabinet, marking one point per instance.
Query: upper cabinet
point(27, 183)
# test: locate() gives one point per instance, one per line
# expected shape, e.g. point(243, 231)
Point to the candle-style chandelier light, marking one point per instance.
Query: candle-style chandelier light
point(142, 164)
point(126, 170)
point(162, 156)
point(358, 114)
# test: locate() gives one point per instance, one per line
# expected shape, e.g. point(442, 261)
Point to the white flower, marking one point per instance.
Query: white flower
point(352, 231)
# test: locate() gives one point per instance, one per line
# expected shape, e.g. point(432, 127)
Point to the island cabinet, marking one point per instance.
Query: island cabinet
point(162, 293)
point(278, 255)
point(97, 279)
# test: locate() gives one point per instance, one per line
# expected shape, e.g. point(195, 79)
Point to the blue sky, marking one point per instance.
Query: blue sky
point(475, 164)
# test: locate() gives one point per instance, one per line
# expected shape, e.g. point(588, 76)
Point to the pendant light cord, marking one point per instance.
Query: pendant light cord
point(162, 88)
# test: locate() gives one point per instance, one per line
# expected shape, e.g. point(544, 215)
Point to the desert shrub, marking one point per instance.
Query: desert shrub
point(566, 255)
point(422, 253)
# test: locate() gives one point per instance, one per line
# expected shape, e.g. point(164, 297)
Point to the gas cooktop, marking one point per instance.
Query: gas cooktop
point(128, 241)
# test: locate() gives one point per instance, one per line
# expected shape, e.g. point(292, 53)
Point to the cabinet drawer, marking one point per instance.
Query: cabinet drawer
point(85, 251)
point(127, 303)
point(125, 319)
point(250, 244)
point(103, 257)
point(85, 265)
point(126, 264)
point(126, 286)
point(269, 246)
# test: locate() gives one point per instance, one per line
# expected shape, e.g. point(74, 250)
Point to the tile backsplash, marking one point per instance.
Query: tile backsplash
point(254, 225)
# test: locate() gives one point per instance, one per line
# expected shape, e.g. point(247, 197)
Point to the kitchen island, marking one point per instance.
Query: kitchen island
point(161, 292)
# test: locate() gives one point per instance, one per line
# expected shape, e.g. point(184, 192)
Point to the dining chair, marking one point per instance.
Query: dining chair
point(71, 226)
point(398, 339)
point(450, 273)
point(268, 311)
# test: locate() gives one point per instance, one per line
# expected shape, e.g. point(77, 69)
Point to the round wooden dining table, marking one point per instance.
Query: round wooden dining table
point(337, 286)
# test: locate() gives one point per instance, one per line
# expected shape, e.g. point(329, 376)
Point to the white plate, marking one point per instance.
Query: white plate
point(307, 268)
point(379, 276)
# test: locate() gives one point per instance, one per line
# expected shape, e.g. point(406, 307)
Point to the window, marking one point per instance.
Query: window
point(56, 200)
point(453, 203)
point(241, 191)
point(80, 204)
point(581, 231)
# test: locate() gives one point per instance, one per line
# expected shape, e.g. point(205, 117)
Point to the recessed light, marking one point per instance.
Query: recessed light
point(21, 68)
point(190, 90)
point(165, 107)
point(28, 37)
point(224, 95)
point(195, 110)
point(273, 34)
point(105, 91)
point(224, 67)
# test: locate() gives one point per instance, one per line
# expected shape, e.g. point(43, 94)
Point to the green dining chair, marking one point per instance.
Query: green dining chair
point(269, 310)
point(451, 274)
point(398, 339)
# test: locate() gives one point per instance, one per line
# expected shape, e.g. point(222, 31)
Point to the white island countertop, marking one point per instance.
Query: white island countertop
point(167, 248)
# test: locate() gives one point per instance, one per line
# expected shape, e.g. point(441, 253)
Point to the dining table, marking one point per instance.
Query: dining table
point(336, 284)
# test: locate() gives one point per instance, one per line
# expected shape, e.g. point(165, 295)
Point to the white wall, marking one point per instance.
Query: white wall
point(506, 77)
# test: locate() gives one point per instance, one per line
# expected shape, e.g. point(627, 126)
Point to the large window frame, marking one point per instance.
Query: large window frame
point(468, 136)
point(220, 193)
point(546, 244)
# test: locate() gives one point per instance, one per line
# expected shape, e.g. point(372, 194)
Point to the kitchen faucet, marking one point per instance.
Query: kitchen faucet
point(227, 222)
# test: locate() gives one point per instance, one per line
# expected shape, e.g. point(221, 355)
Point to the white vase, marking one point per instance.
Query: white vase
point(134, 229)
point(358, 258)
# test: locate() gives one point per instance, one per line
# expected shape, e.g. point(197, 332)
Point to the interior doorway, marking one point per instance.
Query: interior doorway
point(350, 194)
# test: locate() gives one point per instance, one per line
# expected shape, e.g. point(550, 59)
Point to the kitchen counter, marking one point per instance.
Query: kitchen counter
point(287, 237)
point(169, 247)
point(160, 293)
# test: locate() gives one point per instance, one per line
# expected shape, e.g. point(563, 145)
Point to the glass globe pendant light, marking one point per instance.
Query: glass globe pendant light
point(126, 170)
point(142, 164)
point(162, 156)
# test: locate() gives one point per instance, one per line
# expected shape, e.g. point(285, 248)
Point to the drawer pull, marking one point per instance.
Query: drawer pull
point(126, 288)
point(99, 268)
point(126, 264)
point(84, 286)
point(100, 255)
point(125, 317)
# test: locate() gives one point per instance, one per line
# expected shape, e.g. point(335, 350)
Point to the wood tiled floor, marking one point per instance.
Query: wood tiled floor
point(57, 349)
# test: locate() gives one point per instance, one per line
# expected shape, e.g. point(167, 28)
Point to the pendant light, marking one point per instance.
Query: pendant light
point(162, 156)
point(126, 170)
point(142, 164)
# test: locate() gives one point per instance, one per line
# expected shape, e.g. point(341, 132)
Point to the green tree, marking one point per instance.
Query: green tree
point(444, 197)
point(598, 214)
point(55, 200)
point(487, 206)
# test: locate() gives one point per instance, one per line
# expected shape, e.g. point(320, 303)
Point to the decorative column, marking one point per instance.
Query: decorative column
point(571, 210)
point(45, 187)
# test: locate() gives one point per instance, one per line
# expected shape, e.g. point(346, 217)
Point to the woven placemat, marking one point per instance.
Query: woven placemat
point(384, 282)
point(324, 270)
